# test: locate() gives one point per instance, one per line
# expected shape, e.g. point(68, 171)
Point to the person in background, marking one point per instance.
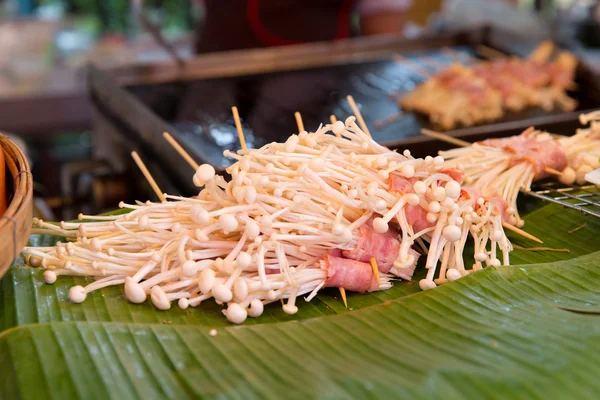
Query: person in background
point(267, 104)
point(245, 24)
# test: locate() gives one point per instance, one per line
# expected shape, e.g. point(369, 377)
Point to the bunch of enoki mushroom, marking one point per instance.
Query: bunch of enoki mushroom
point(320, 210)
point(506, 166)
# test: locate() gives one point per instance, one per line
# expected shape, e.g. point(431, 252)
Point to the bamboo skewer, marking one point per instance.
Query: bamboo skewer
point(446, 138)
point(520, 232)
point(553, 171)
point(375, 270)
point(238, 126)
point(299, 121)
point(462, 143)
point(489, 53)
point(358, 115)
point(148, 176)
point(333, 120)
point(180, 150)
point(344, 299)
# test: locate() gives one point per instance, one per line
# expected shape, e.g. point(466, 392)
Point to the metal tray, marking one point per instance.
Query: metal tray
point(369, 69)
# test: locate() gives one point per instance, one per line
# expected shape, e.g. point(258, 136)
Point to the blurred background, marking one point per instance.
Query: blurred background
point(157, 67)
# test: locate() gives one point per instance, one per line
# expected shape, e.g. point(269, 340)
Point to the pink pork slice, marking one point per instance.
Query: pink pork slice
point(541, 154)
point(416, 216)
point(385, 247)
point(353, 275)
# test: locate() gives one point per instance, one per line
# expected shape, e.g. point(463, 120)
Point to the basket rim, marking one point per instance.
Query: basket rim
point(18, 167)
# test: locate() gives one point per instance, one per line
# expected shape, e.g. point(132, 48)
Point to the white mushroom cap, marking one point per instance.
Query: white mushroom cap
point(453, 189)
point(244, 260)
point(481, 257)
point(77, 294)
point(183, 303)
point(380, 226)
point(453, 274)
point(228, 223)
point(452, 233)
point(240, 289)
point(159, 298)
point(50, 277)
point(199, 215)
point(206, 280)
point(290, 309)
point(222, 293)
point(235, 313)
point(204, 173)
point(189, 268)
point(256, 308)
point(568, 176)
point(426, 284)
point(338, 127)
point(134, 292)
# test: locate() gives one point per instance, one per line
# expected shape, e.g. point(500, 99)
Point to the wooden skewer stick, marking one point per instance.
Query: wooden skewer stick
point(444, 137)
point(299, 121)
point(333, 120)
point(148, 176)
point(358, 115)
point(375, 270)
point(552, 171)
point(180, 150)
point(489, 53)
point(389, 119)
point(521, 232)
point(343, 294)
point(238, 125)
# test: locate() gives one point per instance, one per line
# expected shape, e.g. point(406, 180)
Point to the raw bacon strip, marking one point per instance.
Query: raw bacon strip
point(401, 184)
point(460, 95)
point(416, 216)
point(501, 205)
point(541, 153)
point(355, 276)
point(385, 247)
point(454, 173)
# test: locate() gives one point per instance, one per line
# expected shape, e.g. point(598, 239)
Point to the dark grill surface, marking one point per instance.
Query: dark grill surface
point(201, 110)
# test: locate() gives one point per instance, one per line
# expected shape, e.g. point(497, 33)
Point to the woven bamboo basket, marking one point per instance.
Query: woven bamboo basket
point(15, 223)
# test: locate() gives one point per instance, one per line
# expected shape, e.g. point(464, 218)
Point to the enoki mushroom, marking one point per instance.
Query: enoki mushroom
point(320, 210)
point(506, 166)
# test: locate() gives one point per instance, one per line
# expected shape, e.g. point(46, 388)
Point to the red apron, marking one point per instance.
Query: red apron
point(242, 24)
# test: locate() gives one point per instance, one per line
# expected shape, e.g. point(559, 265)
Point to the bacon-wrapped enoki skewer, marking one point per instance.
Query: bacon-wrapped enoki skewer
point(461, 95)
point(503, 167)
point(582, 149)
point(295, 217)
point(506, 166)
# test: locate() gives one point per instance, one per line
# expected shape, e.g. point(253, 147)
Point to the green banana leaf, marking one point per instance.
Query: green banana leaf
point(525, 331)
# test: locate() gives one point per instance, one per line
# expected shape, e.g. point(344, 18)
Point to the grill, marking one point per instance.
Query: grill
point(372, 70)
point(584, 198)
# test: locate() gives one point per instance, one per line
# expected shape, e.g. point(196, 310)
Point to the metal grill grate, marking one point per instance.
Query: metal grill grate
point(582, 198)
